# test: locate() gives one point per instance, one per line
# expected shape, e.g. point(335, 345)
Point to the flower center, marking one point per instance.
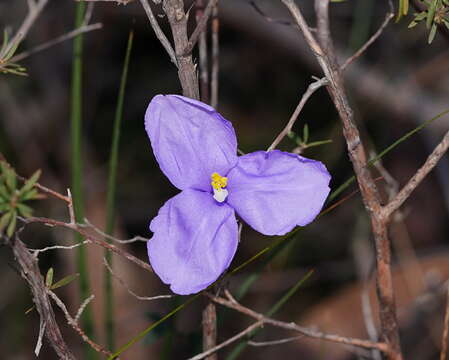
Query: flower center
point(218, 184)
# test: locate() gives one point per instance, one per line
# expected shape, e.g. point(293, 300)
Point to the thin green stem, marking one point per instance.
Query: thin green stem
point(111, 195)
point(77, 192)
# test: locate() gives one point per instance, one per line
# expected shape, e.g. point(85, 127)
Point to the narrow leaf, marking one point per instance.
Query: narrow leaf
point(49, 277)
point(12, 224)
point(30, 182)
point(64, 281)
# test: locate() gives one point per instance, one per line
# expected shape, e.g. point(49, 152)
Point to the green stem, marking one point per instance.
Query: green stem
point(76, 110)
point(110, 207)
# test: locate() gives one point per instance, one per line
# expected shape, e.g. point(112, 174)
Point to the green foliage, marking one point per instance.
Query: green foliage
point(12, 198)
point(436, 13)
point(303, 142)
point(7, 67)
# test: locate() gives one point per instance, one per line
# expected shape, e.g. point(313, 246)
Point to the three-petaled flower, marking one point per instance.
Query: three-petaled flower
point(195, 232)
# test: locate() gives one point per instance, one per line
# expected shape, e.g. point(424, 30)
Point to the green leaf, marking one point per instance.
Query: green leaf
point(412, 24)
point(4, 193)
point(30, 183)
point(5, 207)
point(64, 281)
point(431, 14)
point(12, 224)
point(305, 133)
point(318, 143)
point(33, 194)
point(49, 277)
point(24, 210)
point(4, 220)
point(30, 310)
point(5, 40)
point(11, 180)
point(432, 33)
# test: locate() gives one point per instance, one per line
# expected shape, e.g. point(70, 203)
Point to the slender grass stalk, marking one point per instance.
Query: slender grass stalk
point(110, 203)
point(280, 240)
point(76, 165)
point(273, 310)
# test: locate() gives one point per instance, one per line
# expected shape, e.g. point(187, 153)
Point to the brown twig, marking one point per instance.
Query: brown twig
point(201, 24)
point(158, 31)
point(309, 92)
point(215, 58)
point(209, 326)
point(419, 176)
point(70, 35)
point(444, 340)
point(371, 40)
point(123, 283)
point(233, 304)
point(229, 341)
point(29, 270)
point(325, 55)
point(34, 10)
point(88, 236)
point(274, 342)
point(186, 68)
point(202, 49)
point(74, 324)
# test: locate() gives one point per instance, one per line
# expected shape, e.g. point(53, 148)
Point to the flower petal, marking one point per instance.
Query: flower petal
point(190, 140)
point(194, 241)
point(275, 191)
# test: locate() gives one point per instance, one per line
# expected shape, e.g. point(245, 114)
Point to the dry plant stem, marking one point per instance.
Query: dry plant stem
point(34, 10)
point(232, 304)
point(202, 49)
point(371, 40)
point(158, 31)
point(416, 179)
point(325, 56)
point(74, 324)
point(210, 330)
point(60, 39)
point(444, 344)
point(202, 17)
point(123, 283)
point(186, 68)
point(29, 270)
point(82, 231)
point(228, 341)
point(275, 342)
point(309, 92)
point(215, 58)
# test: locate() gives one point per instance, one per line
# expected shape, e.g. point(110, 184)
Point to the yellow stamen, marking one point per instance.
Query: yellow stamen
point(218, 181)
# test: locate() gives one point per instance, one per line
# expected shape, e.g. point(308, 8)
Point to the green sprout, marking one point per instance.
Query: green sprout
point(436, 14)
point(302, 142)
point(13, 198)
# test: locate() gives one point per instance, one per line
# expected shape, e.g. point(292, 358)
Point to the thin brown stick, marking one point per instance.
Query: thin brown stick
point(444, 340)
point(202, 49)
point(229, 341)
point(88, 236)
point(29, 270)
point(209, 326)
point(274, 342)
point(74, 324)
point(201, 25)
point(34, 10)
point(215, 58)
point(123, 283)
point(309, 92)
point(419, 176)
point(158, 31)
point(300, 329)
point(325, 56)
point(70, 35)
point(370, 41)
point(186, 68)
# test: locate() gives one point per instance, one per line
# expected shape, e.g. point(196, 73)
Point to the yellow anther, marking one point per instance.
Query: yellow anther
point(218, 181)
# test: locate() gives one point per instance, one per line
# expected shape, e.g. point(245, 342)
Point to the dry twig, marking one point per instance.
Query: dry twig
point(444, 340)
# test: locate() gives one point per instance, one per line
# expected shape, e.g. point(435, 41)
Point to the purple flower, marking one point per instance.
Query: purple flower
point(195, 232)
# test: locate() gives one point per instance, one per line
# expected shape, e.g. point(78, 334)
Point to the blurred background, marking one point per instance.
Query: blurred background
point(265, 67)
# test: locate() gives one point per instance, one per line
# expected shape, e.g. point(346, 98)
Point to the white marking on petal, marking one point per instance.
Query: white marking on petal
point(220, 195)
